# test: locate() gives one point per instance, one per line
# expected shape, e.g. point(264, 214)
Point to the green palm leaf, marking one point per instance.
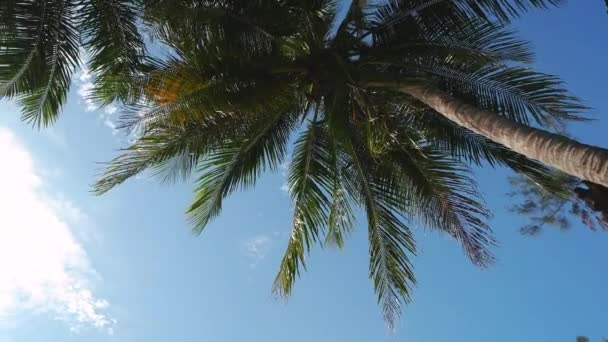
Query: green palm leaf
point(238, 164)
point(389, 238)
point(518, 93)
point(472, 41)
point(113, 43)
point(165, 143)
point(40, 58)
point(341, 216)
point(442, 195)
point(21, 41)
point(395, 12)
point(310, 183)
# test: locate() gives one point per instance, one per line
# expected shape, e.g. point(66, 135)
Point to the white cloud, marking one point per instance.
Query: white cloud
point(284, 167)
point(85, 88)
point(285, 187)
point(108, 116)
point(66, 209)
point(256, 249)
point(43, 268)
point(55, 137)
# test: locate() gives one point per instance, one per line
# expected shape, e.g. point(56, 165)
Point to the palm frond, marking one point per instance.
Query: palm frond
point(208, 21)
point(443, 196)
point(341, 216)
point(167, 142)
point(179, 167)
point(21, 64)
point(244, 27)
point(310, 184)
point(39, 58)
point(473, 41)
point(8, 17)
point(116, 49)
point(183, 90)
point(238, 164)
point(390, 238)
point(353, 22)
point(395, 12)
point(518, 93)
point(42, 106)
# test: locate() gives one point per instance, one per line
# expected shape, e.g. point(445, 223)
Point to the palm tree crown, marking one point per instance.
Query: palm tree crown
point(243, 77)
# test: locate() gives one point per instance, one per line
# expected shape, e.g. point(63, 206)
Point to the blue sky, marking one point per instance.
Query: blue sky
point(124, 267)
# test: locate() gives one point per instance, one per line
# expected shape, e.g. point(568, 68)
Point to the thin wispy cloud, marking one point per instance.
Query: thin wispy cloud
point(66, 208)
point(285, 187)
point(85, 87)
point(284, 168)
point(108, 114)
point(257, 248)
point(43, 267)
point(54, 137)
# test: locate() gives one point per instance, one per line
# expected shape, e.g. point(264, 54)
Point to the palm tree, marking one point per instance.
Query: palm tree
point(390, 104)
point(244, 77)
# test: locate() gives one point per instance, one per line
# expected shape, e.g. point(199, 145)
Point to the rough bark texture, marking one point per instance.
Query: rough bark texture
point(584, 161)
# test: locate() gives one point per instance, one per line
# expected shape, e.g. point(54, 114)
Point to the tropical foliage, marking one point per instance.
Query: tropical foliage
point(239, 79)
point(41, 43)
point(586, 339)
point(581, 200)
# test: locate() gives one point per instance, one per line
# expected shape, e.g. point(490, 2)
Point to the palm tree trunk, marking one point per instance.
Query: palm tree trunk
point(584, 161)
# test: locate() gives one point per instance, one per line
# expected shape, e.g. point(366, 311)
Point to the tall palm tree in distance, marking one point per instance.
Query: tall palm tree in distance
point(390, 103)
